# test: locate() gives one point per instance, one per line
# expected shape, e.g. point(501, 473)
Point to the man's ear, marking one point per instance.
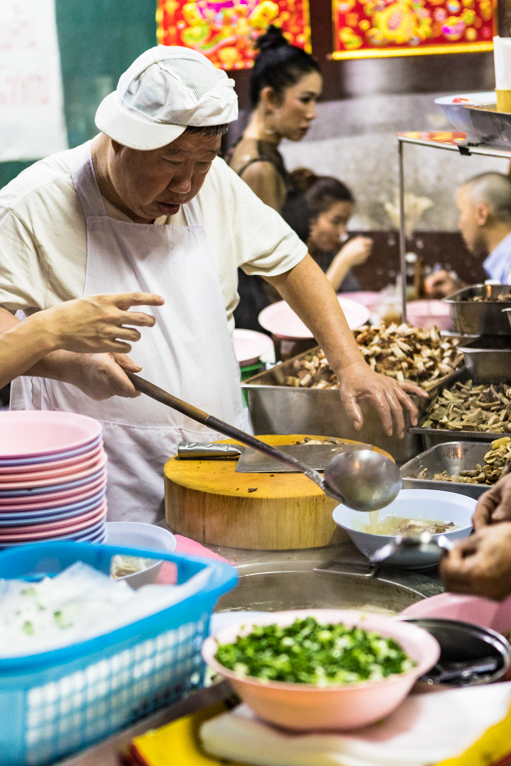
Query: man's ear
point(483, 213)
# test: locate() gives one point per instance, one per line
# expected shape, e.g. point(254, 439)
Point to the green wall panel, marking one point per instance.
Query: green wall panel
point(98, 40)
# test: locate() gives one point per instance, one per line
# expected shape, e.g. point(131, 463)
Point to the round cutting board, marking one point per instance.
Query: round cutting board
point(211, 503)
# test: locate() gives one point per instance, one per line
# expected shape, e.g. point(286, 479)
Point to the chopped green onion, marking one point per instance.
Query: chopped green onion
point(312, 653)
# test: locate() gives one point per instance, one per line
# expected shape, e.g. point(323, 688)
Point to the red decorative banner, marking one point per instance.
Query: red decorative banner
point(373, 28)
point(225, 31)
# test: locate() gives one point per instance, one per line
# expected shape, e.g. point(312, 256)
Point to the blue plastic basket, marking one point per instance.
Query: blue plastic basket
point(55, 703)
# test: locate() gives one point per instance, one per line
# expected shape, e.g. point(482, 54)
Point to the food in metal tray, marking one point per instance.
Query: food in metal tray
point(496, 461)
point(400, 351)
point(466, 407)
point(308, 652)
point(504, 298)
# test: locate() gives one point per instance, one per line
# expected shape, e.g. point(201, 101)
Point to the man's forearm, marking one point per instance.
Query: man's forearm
point(58, 365)
point(312, 297)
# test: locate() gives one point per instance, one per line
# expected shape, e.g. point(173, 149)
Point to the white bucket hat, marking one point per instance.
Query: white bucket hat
point(165, 90)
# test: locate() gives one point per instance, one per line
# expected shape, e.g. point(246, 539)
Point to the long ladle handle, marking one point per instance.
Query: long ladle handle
point(155, 392)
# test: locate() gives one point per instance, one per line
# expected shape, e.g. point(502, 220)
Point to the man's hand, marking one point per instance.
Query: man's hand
point(481, 564)
point(389, 398)
point(495, 505)
point(97, 323)
point(101, 376)
point(440, 284)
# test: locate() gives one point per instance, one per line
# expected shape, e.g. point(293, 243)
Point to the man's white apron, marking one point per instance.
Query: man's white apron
point(189, 351)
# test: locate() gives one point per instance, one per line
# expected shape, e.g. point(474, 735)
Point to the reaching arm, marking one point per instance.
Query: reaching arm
point(81, 342)
point(311, 296)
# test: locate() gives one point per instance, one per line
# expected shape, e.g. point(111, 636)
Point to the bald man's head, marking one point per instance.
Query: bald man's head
point(484, 203)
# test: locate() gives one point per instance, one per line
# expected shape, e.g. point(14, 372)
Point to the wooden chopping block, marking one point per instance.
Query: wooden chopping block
point(211, 503)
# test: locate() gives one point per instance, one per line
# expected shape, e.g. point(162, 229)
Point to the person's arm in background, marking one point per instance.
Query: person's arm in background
point(312, 297)
point(99, 325)
point(353, 253)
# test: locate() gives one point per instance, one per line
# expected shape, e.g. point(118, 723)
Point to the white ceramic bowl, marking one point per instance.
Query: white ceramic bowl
point(347, 706)
point(133, 534)
point(459, 117)
point(411, 504)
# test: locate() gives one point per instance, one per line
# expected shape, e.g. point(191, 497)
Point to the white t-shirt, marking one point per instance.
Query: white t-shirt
point(43, 248)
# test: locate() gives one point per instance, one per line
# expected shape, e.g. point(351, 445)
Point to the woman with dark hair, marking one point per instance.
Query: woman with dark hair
point(319, 211)
point(285, 84)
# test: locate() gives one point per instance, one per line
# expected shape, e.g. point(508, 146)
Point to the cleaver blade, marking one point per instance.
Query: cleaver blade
point(314, 455)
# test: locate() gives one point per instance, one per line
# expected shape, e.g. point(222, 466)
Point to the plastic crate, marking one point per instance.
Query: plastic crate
point(55, 703)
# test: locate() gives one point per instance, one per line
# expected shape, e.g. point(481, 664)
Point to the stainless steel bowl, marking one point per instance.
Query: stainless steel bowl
point(488, 358)
point(485, 317)
point(463, 642)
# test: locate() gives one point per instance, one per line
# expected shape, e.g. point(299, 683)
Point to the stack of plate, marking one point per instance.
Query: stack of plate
point(52, 478)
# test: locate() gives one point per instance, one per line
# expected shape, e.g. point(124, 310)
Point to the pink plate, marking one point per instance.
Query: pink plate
point(67, 525)
point(41, 477)
point(365, 297)
point(51, 499)
point(55, 464)
point(250, 345)
point(281, 320)
point(429, 313)
point(29, 538)
point(47, 482)
point(34, 433)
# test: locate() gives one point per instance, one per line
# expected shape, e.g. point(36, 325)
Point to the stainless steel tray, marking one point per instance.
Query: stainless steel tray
point(434, 436)
point(488, 358)
point(279, 409)
point(489, 126)
point(452, 457)
point(484, 318)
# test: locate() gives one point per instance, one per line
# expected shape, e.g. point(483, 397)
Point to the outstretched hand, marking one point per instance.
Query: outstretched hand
point(389, 397)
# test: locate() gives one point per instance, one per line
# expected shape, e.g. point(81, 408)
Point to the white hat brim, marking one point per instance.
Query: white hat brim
point(131, 130)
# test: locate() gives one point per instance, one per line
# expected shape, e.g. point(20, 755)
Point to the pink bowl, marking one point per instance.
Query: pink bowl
point(33, 433)
point(40, 531)
point(42, 478)
point(428, 313)
point(38, 468)
point(71, 474)
point(51, 499)
point(305, 707)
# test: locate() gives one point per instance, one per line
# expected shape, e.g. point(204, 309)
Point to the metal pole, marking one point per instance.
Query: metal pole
point(402, 231)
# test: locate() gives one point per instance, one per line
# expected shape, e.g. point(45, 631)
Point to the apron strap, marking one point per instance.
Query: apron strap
point(84, 181)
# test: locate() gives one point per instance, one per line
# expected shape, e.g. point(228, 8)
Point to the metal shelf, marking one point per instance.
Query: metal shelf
point(463, 148)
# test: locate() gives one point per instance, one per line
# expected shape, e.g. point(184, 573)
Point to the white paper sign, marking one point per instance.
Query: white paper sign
point(31, 104)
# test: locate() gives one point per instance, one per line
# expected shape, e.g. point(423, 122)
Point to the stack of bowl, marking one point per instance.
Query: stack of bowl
point(52, 478)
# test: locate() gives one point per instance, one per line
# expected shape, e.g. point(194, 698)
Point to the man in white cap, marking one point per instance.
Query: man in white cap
point(147, 205)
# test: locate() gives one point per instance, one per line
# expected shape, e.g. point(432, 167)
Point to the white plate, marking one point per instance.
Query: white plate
point(281, 320)
point(249, 346)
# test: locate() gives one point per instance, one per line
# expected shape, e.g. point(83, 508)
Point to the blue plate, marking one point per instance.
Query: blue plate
point(71, 507)
point(28, 517)
point(54, 487)
point(54, 456)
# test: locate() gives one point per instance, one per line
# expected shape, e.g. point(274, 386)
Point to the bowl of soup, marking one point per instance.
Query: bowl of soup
point(412, 512)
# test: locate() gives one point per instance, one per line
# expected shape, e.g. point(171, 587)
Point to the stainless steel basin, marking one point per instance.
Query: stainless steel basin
point(295, 585)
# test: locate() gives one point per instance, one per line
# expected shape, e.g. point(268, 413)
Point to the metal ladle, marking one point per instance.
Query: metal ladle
point(397, 553)
point(363, 480)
